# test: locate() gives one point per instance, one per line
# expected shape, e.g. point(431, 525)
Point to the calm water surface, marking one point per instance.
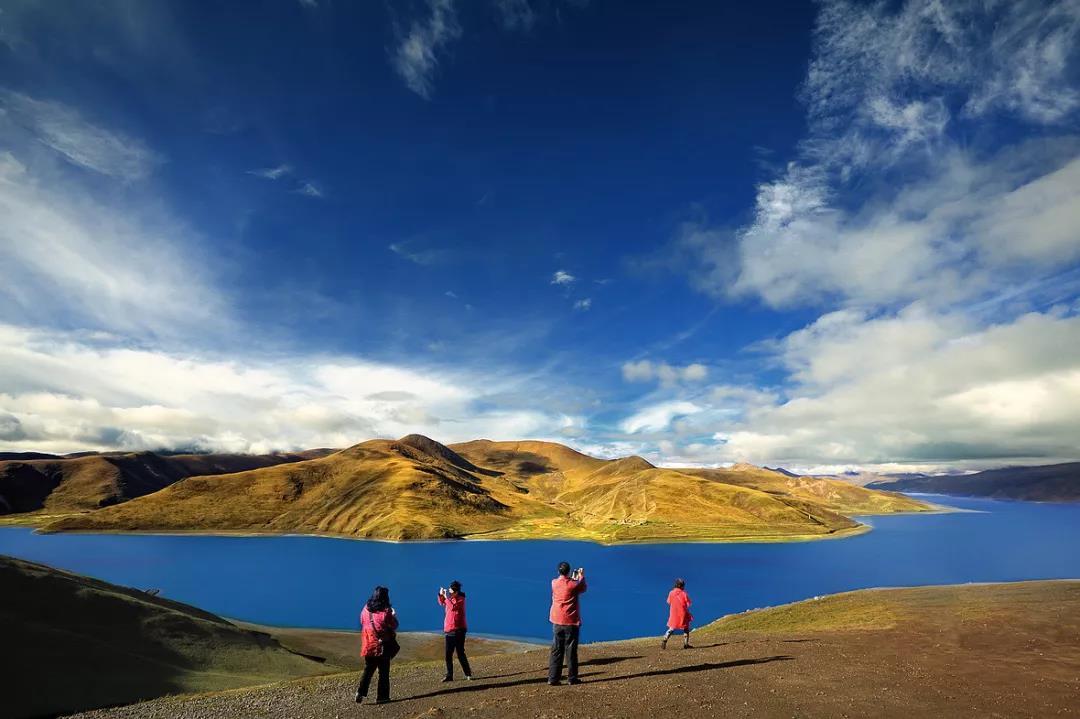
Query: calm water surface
point(321, 582)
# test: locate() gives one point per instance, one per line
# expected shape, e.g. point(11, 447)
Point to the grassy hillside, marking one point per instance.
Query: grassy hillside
point(74, 643)
point(415, 488)
point(829, 494)
point(1047, 483)
point(89, 481)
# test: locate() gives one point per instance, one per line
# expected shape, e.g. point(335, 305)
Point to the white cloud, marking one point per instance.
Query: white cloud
point(561, 277)
point(72, 253)
point(272, 173)
point(63, 392)
point(919, 387)
point(411, 251)
point(80, 142)
point(583, 305)
point(658, 417)
point(308, 189)
point(667, 375)
point(516, 14)
point(881, 204)
point(417, 56)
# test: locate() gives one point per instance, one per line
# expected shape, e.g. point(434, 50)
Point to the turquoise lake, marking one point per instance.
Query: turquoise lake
point(323, 582)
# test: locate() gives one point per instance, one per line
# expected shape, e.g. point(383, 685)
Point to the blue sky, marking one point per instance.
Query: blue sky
point(825, 235)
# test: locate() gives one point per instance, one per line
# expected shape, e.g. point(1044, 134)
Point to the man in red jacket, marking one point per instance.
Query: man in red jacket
point(454, 628)
point(565, 619)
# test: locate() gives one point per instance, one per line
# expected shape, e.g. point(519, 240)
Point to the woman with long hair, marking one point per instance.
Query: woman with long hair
point(378, 633)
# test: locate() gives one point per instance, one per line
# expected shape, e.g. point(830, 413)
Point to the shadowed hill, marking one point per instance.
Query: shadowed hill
point(416, 488)
point(90, 481)
point(1046, 483)
point(72, 643)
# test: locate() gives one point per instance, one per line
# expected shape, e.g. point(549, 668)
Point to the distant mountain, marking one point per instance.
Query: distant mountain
point(73, 643)
point(416, 488)
point(1045, 483)
point(30, 482)
point(27, 455)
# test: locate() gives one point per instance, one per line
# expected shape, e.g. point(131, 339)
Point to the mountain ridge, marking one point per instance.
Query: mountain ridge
point(417, 488)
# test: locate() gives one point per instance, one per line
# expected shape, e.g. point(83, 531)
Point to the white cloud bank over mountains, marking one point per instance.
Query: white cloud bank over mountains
point(64, 392)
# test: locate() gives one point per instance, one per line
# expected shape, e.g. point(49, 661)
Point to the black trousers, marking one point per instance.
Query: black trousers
point(564, 642)
point(455, 642)
point(382, 691)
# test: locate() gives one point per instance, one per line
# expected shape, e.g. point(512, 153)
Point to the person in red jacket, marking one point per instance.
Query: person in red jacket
point(454, 628)
point(565, 619)
point(679, 616)
point(378, 644)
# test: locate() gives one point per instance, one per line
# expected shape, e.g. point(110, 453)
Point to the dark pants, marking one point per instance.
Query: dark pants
point(382, 692)
point(564, 642)
point(455, 642)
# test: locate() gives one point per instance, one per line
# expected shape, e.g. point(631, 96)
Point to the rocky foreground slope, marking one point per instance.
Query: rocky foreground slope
point(1007, 650)
point(416, 488)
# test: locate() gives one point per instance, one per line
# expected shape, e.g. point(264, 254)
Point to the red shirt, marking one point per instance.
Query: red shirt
point(454, 605)
point(679, 616)
point(564, 600)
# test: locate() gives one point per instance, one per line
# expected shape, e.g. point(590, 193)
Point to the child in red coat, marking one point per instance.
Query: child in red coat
point(679, 616)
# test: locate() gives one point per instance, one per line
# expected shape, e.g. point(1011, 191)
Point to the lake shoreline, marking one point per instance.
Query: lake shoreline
point(763, 539)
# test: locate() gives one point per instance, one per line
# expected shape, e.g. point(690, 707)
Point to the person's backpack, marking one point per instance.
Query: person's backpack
point(370, 643)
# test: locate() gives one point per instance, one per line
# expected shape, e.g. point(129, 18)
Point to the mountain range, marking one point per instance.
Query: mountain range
point(417, 488)
point(32, 481)
point(1045, 483)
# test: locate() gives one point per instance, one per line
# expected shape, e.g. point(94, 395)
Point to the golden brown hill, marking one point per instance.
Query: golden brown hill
point(416, 488)
point(90, 481)
point(74, 643)
point(833, 495)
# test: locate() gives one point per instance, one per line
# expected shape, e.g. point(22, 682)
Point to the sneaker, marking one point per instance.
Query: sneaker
point(663, 643)
point(554, 683)
point(687, 646)
point(359, 696)
point(448, 678)
point(573, 681)
point(468, 677)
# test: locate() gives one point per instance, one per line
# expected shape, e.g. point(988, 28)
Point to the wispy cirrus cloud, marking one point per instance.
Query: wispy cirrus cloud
point(77, 140)
point(516, 14)
point(71, 254)
point(272, 173)
point(309, 189)
point(416, 58)
point(414, 251)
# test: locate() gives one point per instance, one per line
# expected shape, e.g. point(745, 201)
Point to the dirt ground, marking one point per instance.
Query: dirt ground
point(342, 648)
point(979, 651)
